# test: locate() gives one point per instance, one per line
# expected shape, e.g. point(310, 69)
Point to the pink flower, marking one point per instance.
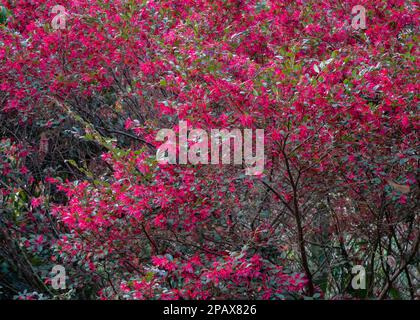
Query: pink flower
point(36, 202)
point(23, 170)
point(405, 122)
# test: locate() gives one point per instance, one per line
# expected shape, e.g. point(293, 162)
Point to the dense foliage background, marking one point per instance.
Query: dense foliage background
point(80, 186)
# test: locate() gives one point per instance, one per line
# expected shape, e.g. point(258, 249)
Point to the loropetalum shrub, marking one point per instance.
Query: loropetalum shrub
point(339, 108)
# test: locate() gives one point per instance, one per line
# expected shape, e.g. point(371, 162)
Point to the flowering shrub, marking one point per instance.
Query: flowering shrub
point(81, 105)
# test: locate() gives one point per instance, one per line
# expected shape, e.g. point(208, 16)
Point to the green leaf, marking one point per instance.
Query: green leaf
point(4, 14)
